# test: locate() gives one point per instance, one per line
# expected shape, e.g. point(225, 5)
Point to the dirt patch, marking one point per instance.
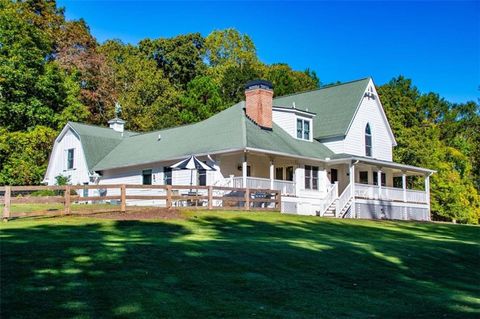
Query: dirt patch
point(140, 213)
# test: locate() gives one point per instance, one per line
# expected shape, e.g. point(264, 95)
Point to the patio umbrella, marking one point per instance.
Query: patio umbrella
point(192, 163)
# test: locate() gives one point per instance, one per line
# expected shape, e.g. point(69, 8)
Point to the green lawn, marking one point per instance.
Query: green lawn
point(238, 265)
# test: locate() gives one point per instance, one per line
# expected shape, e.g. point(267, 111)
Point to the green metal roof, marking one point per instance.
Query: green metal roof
point(230, 129)
point(223, 131)
point(334, 105)
point(97, 141)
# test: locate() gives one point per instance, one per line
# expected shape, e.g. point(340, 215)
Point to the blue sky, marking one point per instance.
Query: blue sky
point(434, 43)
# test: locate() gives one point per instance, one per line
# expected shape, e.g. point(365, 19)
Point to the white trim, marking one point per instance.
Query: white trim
point(379, 104)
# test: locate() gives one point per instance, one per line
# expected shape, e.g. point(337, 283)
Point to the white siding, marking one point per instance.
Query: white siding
point(337, 145)
point(369, 112)
point(287, 121)
point(58, 159)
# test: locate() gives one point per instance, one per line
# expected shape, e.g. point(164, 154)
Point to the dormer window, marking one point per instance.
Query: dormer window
point(303, 128)
point(368, 140)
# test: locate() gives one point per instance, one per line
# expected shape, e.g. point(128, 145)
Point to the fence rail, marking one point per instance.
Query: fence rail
point(168, 196)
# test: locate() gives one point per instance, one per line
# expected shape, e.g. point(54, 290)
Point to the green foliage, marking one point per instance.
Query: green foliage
point(62, 180)
point(44, 192)
point(24, 155)
point(201, 100)
point(443, 136)
point(287, 81)
point(180, 58)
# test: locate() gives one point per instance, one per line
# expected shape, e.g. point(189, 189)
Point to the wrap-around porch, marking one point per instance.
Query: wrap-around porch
point(332, 187)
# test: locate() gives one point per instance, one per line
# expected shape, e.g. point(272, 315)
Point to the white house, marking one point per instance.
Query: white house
point(329, 151)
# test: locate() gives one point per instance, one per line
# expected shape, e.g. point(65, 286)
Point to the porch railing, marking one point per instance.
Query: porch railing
point(330, 198)
point(389, 193)
point(344, 200)
point(285, 187)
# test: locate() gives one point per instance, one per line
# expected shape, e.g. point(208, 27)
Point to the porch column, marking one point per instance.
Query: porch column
point(352, 187)
point(272, 177)
point(244, 171)
point(427, 193)
point(404, 186)
point(379, 182)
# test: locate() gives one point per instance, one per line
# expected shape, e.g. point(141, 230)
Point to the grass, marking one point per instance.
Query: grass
point(238, 265)
point(30, 208)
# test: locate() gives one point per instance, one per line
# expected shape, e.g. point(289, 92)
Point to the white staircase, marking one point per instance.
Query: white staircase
point(344, 202)
point(330, 211)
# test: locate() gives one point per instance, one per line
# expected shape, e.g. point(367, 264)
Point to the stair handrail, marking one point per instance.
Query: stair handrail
point(343, 199)
point(330, 197)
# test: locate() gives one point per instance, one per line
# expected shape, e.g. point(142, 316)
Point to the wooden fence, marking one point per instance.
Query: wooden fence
point(206, 197)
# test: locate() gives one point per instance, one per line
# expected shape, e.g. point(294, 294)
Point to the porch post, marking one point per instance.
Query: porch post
point(379, 182)
point(244, 171)
point(352, 187)
point(427, 193)
point(272, 177)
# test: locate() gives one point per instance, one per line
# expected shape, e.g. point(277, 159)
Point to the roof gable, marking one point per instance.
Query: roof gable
point(334, 105)
point(97, 141)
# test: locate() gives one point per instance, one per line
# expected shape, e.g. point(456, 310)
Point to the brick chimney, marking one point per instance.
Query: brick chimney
point(258, 102)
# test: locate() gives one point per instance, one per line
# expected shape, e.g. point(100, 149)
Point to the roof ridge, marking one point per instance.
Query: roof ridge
point(101, 127)
point(182, 125)
point(323, 87)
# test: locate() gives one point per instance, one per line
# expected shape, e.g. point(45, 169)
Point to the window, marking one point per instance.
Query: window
point(202, 177)
point(303, 129)
point(279, 173)
point(364, 177)
point(248, 169)
point(147, 177)
point(311, 177)
point(70, 154)
point(85, 190)
point(384, 179)
point(289, 173)
point(167, 176)
point(368, 141)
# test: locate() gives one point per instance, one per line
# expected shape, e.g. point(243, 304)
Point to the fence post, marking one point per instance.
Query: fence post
point(6, 207)
point(169, 196)
point(123, 198)
point(210, 197)
point(68, 208)
point(279, 200)
point(247, 198)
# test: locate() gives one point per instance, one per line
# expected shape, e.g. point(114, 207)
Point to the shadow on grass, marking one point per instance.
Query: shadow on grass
point(213, 267)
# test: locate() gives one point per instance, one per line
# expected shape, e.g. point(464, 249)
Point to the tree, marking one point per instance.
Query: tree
point(287, 81)
point(148, 99)
point(201, 100)
point(180, 58)
point(428, 133)
point(24, 155)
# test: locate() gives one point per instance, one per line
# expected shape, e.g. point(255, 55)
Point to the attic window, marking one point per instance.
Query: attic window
point(368, 141)
point(303, 128)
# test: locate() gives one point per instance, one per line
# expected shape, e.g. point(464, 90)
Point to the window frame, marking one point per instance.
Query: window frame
point(202, 177)
point(368, 141)
point(70, 161)
point(311, 177)
point(145, 173)
point(279, 175)
point(304, 128)
point(361, 178)
point(167, 175)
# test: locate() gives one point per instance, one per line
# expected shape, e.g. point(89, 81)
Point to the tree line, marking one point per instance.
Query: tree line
point(52, 70)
